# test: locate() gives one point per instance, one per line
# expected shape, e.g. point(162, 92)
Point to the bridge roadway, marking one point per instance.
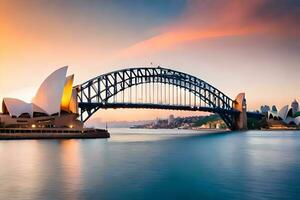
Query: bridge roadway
point(165, 107)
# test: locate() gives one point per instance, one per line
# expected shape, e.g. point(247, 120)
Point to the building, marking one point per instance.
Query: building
point(295, 107)
point(285, 115)
point(54, 105)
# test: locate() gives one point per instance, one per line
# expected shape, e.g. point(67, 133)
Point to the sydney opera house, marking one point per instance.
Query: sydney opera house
point(53, 106)
point(290, 116)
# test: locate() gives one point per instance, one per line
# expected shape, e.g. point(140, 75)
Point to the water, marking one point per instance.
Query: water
point(154, 164)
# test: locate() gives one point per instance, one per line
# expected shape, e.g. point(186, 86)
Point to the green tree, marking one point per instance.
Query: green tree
point(297, 114)
point(207, 119)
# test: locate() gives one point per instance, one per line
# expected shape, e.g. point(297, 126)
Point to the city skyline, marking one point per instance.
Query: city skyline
point(237, 46)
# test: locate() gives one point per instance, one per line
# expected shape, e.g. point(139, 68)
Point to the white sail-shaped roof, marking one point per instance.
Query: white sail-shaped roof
point(67, 93)
point(73, 102)
point(56, 93)
point(297, 121)
point(273, 114)
point(35, 108)
point(283, 112)
point(49, 94)
point(16, 107)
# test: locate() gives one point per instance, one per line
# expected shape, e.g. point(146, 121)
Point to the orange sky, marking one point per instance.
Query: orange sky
point(250, 46)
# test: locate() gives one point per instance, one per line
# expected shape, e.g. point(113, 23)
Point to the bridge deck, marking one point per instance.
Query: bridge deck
point(155, 106)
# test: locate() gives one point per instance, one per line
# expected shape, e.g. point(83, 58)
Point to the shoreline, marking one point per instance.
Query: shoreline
point(207, 129)
point(51, 133)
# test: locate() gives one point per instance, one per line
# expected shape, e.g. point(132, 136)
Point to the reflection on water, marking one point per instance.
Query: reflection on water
point(71, 163)
point(147, 135)
point(154, 164)
point(18, 176)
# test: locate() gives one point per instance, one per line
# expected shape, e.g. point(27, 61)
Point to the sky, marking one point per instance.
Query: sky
point(235, 45)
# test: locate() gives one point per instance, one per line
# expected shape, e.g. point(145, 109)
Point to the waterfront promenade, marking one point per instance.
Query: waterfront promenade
point(52, 133)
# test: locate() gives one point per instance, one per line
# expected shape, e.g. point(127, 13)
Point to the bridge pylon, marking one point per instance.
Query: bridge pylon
point(240, 105)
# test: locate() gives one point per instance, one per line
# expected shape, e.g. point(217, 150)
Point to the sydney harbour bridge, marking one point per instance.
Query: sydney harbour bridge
point(159, 88)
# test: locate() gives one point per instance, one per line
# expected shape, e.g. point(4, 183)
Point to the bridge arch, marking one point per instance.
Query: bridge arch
point(99, 92)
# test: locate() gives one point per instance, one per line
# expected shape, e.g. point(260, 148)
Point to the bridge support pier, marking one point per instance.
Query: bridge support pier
point(240, 105)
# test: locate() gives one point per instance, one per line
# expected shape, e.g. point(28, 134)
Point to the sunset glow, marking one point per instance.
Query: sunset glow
point(237, 46)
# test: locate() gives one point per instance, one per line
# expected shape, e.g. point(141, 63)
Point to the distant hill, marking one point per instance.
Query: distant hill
point(205, 119)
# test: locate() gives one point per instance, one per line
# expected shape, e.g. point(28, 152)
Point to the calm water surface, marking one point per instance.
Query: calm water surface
point(154, 164)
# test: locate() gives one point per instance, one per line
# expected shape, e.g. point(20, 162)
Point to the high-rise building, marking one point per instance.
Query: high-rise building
point(295, 106)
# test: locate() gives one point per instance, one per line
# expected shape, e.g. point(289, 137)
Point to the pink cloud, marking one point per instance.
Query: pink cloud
point(213, 19)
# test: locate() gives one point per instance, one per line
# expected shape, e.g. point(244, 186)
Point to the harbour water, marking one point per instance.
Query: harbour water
point(154, 164)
